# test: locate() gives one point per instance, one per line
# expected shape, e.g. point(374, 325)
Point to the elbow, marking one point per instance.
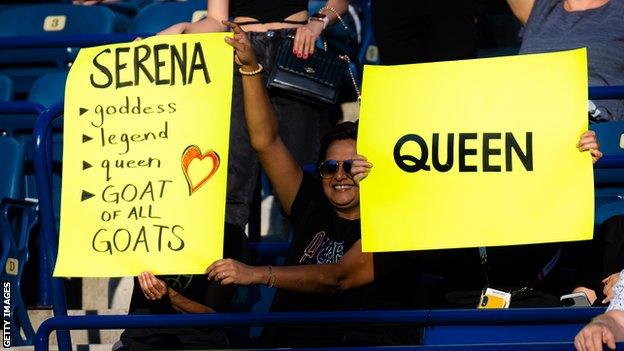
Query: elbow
point(262, 143)
point(336, 284)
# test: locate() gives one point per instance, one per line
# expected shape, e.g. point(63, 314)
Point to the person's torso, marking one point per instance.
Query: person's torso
point(601, 30)
point(266, 11)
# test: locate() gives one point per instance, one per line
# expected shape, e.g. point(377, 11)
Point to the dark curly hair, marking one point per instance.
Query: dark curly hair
point(342, 131)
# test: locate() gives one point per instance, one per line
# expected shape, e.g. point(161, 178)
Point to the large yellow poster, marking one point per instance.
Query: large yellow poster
point(146, 131)
point(476, 153)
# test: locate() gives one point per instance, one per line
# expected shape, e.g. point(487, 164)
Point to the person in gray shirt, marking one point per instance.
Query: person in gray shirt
point(598, 25)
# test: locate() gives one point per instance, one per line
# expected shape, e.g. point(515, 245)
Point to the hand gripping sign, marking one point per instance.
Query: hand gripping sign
point(476, 153)
point(145, 157)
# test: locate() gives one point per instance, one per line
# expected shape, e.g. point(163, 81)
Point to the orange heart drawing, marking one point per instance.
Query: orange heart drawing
point(191, 153)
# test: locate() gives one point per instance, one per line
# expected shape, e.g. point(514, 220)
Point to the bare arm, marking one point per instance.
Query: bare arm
point(522, 9)
point(353, 270)
point(183, 304)
point(218, 11)
point(280, 166)
point(155, 289)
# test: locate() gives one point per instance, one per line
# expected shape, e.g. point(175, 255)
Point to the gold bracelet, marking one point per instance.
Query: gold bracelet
point(334, 11)
point(251, 73)
point(270, 275)
point(344, 25)
point(272, 281)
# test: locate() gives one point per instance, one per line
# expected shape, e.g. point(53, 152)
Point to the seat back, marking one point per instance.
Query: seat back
point(48, 89)
point(609, 192)
point(23, 66)
point(54, 19)
point(11, 168)
point(6, 89)
point(160, 15)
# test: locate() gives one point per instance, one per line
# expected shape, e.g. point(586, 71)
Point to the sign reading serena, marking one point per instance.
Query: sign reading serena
point(476, 153)
point(145, 149)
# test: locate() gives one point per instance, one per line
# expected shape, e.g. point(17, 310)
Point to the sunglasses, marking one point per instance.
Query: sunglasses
point(330, 167)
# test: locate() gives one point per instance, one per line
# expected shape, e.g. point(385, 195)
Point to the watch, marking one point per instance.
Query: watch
point(319, 17)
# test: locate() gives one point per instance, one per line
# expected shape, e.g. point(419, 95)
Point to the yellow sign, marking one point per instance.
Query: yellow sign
point(145, 157)
point(476, 153)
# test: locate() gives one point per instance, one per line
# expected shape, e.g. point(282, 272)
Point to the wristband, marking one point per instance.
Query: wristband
point(319, 17)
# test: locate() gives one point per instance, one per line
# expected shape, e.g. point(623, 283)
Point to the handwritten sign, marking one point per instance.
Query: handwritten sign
point(145, 157)
point(476, 153)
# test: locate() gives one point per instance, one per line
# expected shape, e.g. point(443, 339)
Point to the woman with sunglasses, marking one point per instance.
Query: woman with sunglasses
point(326, 269)
point(326, 258)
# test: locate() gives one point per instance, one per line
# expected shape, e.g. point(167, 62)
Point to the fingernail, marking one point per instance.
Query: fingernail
point(298, 55)
point(305, 56)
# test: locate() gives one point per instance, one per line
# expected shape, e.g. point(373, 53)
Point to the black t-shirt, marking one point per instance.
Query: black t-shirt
point(320, 237)
point(454, 278)
point(267, 11)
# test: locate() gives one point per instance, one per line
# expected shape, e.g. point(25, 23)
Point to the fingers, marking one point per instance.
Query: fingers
point(596, 339)
point(360, 168)
point(152, 287)
point(235, 27)
point(579, 342)
point(588, 141)
point(588, 138)
point(236, 44)
point(305, 39)
point(609, 339)
point(596, 155)
point(298, 43)
point(308, 46)
point(214, 268)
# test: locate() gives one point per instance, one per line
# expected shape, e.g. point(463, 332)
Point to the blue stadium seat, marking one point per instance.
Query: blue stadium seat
point(17, 219)
point(609, 192)
point(160, 15)
point(369, 53)
point(48, 89)
point(6, 89)
point(11, 169)
point(25, 65)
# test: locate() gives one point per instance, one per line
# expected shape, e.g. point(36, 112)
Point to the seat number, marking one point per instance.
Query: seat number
point(54, 23)
point(12, 266)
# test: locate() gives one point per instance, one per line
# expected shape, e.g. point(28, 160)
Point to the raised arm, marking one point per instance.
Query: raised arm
point(218, 11)
point(522, 9)
point(353, 270)
point(279, 164)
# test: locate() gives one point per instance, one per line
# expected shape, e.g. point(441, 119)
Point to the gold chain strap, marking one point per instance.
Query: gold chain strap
point(355, 86)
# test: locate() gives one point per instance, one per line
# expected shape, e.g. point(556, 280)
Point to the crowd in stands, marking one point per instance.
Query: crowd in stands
point(326, 268)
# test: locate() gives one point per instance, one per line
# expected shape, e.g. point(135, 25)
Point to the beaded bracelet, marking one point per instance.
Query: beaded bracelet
point(251, 73)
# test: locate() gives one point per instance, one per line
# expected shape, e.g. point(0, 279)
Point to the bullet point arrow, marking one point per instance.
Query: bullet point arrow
point(86, 165)
point(82, 110)
point(86, 138)
point(86, 195)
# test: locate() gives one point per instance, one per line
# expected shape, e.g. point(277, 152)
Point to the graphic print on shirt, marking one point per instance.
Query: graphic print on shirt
point(323, 250)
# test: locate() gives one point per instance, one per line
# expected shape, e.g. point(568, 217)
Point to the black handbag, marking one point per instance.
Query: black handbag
point(316, 79)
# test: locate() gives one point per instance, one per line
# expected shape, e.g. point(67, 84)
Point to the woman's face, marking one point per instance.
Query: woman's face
point(340, 188)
